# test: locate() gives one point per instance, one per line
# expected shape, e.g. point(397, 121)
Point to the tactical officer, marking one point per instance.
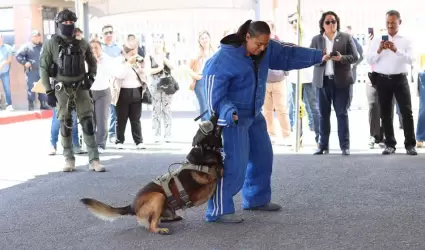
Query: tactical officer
point(63, 58)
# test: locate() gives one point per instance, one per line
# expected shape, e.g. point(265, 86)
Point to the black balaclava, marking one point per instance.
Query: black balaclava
point(66, 29)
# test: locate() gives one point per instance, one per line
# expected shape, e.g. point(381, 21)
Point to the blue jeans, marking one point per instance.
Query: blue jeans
point(201, 96)
point(310, 101)
point(113, 122)
point(420, 128)
point(55, 129)
point(5, 79)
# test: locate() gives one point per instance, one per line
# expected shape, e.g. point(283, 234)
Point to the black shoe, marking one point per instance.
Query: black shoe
point(345, 152)
point(321, 151)
point(411, 151)
point(388, 151)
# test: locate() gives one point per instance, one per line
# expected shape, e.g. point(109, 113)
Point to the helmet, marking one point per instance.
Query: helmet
point(65, 15)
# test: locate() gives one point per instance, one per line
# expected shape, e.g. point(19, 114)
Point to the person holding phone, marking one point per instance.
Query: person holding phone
point(333, 78)
point(392, 56)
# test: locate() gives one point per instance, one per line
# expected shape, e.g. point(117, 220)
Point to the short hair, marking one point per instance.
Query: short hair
point(131, 35)
point(394, 13)
point(107, 26)
point(78, 30)
point(96, 41)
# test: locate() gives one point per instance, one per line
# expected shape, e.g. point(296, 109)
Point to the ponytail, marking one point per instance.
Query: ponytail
point(243, 29)
point(253, 29)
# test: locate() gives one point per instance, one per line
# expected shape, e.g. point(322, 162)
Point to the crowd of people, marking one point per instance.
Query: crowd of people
point(323, 86)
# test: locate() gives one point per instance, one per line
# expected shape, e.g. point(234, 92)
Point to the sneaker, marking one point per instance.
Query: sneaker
point(420, 144)
point(96, 166)
point(100, 150)
point(119, 145)
point(157, 139)
point(52, 150)
point(140, 146)
point(411, 151)
point(285, 141)
point(371, 142)
point(9, 108)
point(78, 150)
point(112, 139)
point(388, 151)
point(69, 166)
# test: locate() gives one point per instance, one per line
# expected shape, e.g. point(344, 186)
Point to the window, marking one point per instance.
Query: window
point(6, 23)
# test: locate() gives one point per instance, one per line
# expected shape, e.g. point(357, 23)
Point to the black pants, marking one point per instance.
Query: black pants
point(398, 86)
point(376, 129)
point(129, 107)
point(340, 97)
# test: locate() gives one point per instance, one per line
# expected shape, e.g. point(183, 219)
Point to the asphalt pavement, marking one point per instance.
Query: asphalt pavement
point(361, 201)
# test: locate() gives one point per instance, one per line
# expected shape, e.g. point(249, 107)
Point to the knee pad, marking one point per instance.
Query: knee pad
point(66, 127)
point(87, 125)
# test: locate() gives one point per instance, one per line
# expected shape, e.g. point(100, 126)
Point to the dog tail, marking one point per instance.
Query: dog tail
point(104, 211)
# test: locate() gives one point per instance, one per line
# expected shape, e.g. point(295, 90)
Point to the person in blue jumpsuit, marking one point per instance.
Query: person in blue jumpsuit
point(235, 80)
point(29, 56)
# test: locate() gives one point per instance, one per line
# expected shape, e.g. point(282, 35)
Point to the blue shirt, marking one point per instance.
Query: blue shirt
point(5, 52)
point(112, 50)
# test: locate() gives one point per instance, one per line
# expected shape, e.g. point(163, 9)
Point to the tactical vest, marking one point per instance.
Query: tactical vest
point(71, 59)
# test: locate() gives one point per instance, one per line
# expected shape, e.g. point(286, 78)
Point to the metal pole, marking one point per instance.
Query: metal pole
point(298, 87)
point(257, 10)
point(86, 28)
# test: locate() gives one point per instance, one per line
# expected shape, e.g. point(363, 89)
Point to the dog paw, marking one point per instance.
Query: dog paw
point(164, 231)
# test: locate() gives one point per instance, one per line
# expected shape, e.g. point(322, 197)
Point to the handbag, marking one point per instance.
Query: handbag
point(168, 85)
point(146, 94)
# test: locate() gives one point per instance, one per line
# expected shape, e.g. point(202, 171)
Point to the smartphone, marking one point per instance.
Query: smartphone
point(385, 38)
point(334, 53)
point(370, 31)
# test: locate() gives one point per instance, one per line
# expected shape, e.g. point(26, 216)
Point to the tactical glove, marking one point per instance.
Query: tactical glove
point(51, 98)
point(88, 82)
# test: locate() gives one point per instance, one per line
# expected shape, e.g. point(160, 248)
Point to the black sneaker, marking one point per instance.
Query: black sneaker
point(411, 151)
point(388, 151)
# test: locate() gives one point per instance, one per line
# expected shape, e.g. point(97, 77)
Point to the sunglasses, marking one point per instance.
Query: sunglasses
point(108, 33)
point(330, 22)
point(293, 21)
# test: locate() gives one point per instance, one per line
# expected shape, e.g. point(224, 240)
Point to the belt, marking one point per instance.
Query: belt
point(330, 77)
point(391, 76)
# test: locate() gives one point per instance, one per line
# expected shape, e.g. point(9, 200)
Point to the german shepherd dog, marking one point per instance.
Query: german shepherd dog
point(150, 206)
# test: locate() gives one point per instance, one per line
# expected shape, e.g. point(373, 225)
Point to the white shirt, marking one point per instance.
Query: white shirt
point(306, 75)
point(388, 62)
point(329, 70)
point(105, 67)
point(126, 73)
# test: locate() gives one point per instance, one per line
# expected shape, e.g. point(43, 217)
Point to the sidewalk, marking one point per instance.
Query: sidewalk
point(15, 116)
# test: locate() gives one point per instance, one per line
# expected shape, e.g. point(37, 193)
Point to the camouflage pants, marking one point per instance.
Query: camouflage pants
point(84, 109)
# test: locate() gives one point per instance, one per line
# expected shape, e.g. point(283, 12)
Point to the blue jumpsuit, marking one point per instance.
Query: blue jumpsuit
point(233, 86)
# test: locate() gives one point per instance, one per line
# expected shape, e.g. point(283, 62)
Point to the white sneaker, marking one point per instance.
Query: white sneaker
point(100, 150)
point(52, 150)
point(285, 141)
point(120, 145)
point(157, 139)
point(140, 146)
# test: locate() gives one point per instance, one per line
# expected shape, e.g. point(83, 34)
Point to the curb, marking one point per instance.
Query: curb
point(36, 115)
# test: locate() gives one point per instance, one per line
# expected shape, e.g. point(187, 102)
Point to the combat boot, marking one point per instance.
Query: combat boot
point(69, 166)
point(96, 166)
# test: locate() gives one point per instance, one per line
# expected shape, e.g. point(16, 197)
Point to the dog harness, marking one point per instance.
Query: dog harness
point(165, 179)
